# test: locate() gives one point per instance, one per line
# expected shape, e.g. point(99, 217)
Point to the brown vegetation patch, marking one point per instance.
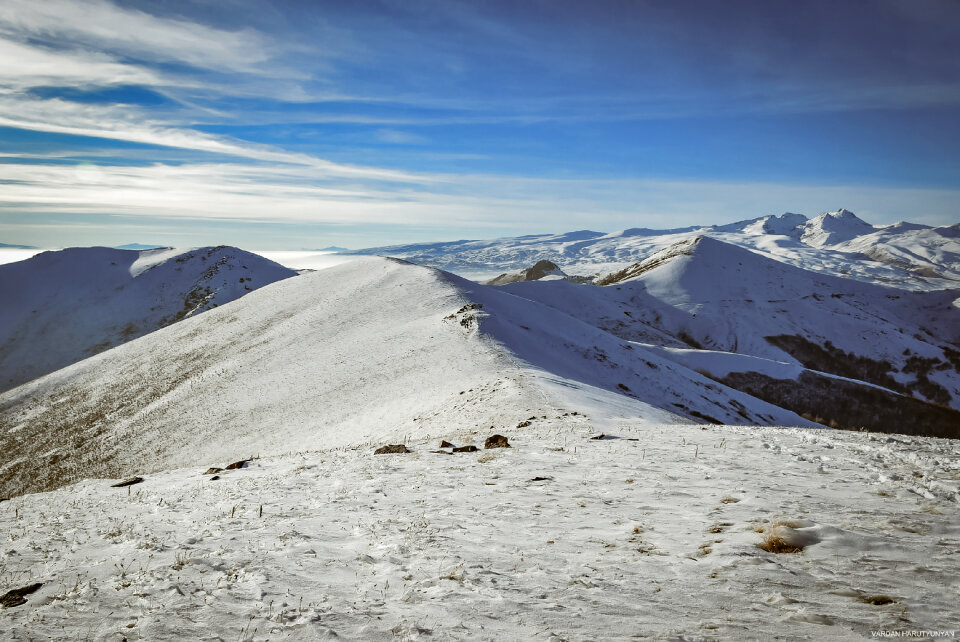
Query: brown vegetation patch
point(774, 543)
point(849, 405)
point(391, 449)
point(878, 600)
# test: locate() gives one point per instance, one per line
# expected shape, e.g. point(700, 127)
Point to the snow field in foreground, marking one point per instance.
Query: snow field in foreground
point(653, 534)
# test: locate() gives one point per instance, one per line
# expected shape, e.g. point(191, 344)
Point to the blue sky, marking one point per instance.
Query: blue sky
point(288, 125)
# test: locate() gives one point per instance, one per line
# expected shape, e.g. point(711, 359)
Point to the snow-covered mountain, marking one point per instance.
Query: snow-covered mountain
point(373, 349)
point(907, 255)
point(745, 313)
point(61, 307)
point(621, 487)
point(541, 270)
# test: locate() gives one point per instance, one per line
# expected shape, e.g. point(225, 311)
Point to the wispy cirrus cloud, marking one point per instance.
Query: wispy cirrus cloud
point(476, 204)
point(23, 66)
point(444, 113)
point(99, 25)
point(128, 124)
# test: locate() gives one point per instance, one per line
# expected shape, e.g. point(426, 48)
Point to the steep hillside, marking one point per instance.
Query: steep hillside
point(712, 295)
point(61, 307)
point(371, 350)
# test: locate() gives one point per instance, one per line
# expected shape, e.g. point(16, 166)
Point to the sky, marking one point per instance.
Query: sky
point(298, 125)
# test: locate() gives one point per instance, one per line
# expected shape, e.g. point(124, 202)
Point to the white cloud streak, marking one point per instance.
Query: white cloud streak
point(125, 123)
point(100, 25)
point(230, 192)
point(24, 66)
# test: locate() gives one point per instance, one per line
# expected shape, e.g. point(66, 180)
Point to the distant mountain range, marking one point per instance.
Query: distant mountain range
point(905, 254)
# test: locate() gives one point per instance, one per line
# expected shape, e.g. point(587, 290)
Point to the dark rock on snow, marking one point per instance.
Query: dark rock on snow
point(496, 441)
point(16, 597)
point(391, 449)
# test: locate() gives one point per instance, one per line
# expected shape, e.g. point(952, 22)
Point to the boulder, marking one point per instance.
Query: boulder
point(16, 597)
point(496, 441)
point(391, 449)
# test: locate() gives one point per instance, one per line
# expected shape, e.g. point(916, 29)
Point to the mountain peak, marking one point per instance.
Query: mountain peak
point(541, 269)
point(832, 228)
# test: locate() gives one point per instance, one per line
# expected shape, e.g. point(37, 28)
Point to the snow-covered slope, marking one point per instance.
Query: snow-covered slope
point(650, 536)
point(833, 228)
point(373, 349)
point(619, 512)
point(838, 243)
point(708, 294)
point(61, 307)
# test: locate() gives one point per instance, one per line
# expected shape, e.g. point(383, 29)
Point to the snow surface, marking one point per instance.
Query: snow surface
point(61, 307)
point(649, 535)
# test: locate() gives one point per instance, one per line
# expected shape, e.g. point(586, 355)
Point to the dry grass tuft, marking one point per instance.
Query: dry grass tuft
point(877, 600)
point(774, 543)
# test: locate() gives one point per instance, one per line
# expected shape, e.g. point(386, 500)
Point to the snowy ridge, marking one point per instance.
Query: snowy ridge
point(374, 349)
point(708, 294)
point(61, 307)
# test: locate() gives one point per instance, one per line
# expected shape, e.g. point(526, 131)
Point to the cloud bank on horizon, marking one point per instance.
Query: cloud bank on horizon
point(287, 124)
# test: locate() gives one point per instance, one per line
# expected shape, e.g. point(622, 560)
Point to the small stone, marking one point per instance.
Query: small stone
point(16, 597)
point(466, 449)
point(238, 464)
point(213, 471)
point(391, 449)
point(446, 444)
point(128, 482)
point(496, 441)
